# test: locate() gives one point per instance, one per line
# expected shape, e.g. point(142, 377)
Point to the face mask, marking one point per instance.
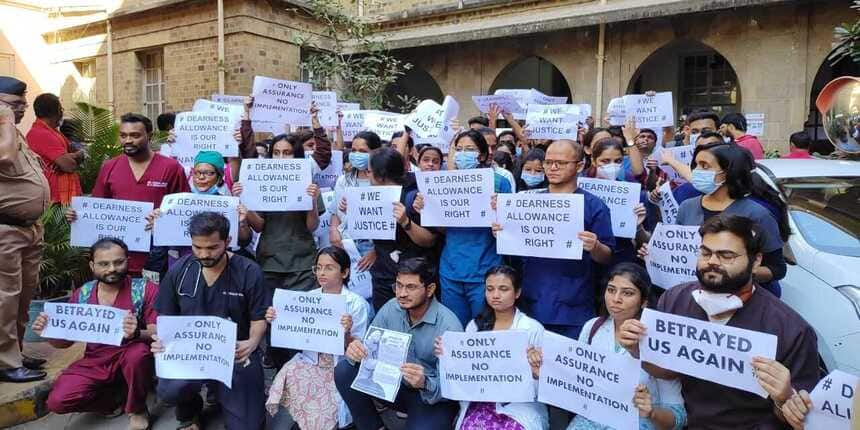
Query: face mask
point(364, 182)
point(519, 152)
point(717, 303)
point(609, 171)
point(693, 138)
point(704, 181)
point(359, 160)
point(212, 191)
point(532, 179)
point(466, 160)
point(727, 139)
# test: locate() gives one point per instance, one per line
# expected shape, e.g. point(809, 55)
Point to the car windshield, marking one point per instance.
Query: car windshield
point(826, 211)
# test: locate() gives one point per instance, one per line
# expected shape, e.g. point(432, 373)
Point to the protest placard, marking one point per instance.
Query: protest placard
point(234, 111)
point(427, 119)
point(755, 124)
point(543, 99)
point(321, 234)
point(196, 347)
point(668, 205)
point(99, 218)
point(654, 112)
point(203, 131)
point(360, 281)
point(171, 226)
point(714, 352)
point(522, 98)
point(456, 198)
point(228, 99)
point(590, 381)
point(540, 225)
point(345, 106)
point(621, 198)
point(384, 124)
point(672, 254)
point(832, 401)
point(486, 366)
point(275, 128)
point(280, 101)
point(327, 177)
point(684, 154)
point(616, 111)
point(506, 102)
point(353, 123)
point(276, 184)
point(308, 321)
point(84, 323)
point(371, 211)
point(546, 121)
point(379, 374)
point(326, 102)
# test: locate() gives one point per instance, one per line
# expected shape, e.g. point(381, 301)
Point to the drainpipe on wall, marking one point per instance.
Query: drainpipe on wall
point(601, 59)
point(110, 99)
point(221, 69)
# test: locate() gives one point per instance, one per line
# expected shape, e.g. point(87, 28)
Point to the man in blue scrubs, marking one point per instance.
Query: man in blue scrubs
point(214, 282)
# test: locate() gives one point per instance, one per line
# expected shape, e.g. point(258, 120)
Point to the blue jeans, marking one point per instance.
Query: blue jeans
point(465, 299)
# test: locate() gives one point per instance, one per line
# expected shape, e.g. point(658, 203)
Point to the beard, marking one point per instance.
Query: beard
point(112, 277)
point(727, 283)
point(132, 150)
point(210, 262)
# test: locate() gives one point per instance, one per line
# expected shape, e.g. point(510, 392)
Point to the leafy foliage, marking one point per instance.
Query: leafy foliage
point(96, 128)
point(355, 64)
point(847, 40)
point(62, 266)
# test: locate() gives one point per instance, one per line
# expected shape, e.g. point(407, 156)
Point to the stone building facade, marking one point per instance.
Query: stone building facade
point(752, 56)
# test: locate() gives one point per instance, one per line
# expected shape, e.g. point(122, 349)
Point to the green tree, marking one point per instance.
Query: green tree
point(847, 40)
point(350, 60)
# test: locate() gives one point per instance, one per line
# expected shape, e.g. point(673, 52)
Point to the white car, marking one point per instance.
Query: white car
point(823, 253)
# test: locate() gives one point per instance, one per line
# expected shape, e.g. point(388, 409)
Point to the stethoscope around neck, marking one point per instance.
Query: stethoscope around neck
point(188, 265)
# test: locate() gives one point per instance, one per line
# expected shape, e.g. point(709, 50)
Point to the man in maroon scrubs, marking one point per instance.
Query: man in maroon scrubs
point(139, 174)
point(93, 383)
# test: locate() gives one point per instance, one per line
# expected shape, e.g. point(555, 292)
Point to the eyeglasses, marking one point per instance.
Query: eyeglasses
point(724, 257)
point(205, 173)
point(16, 105)
point(411, 288)
point(328, 268)
point(558, 164)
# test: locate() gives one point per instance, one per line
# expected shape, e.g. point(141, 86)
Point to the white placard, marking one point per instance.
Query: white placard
point(327, 177)
point(353, 123)
point(326, 101)
point(672, 254)
point(755, 123)
point(457, 198)
point(668, 205)
point(616, 112)
point(360, 281)
point(486, 366)
point(99, 218)
point(548, 121)
point(832, 401)
point(196, 347)
point(379, 373)
point(590, 381)
point(506, 102)
point(281, 101)
point(276, 184)
point(541, 98)
point(196, 131)
point(171, 227)
point(370, 211)
point(228, 99)
point(84, 323)
point(232, 110)
point(654, 112)
point(540, 225)
point(345, 106)
point(321, 233)
point(385, 124)
point(621, 198)
point(684, 154)
point(718, 353)
point(427, 118)
point(522, 97)
point(308, 321)
point(275, 128)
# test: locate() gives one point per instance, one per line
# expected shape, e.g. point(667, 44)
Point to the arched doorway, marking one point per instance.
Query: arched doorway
point(414, 86)
point(826, 73)
point(698, 76)
point(532, 72)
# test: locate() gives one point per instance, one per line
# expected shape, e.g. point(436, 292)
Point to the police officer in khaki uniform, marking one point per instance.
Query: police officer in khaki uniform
point(24, 196)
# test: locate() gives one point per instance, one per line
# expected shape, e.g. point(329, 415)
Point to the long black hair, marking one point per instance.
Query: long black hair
point(637, 275)
point(387, 164)
point(487, 318)
point(298, 148)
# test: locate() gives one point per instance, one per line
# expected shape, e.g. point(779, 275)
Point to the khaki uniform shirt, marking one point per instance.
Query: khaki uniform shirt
point(24, 190)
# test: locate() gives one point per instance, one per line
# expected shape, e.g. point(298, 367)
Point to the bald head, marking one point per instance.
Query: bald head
point(565, 143)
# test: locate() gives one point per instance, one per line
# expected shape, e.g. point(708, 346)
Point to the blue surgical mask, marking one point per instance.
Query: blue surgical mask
point(532, 179)
point(694, 137)
point(610, 171)
point(466, 160)
point(519, 152)
point(212, 191)
point(359, 160)
point(704, 181)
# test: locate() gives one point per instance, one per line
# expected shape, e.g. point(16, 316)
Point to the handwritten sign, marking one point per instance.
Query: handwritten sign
point(505, 102)
point(547, 121)
point(345, 106)
point(652, 112)
point(385, 124)
point(672, 254)
point(228, 99)
point(456, 198)
point(84, 323)
point(276, 185)
point(321, 233)
point(832, 401)
point(308, 321)
point(353, 123)
point(171, 227)
point(621, 198)
point(99, 218)
point(371, 211)
point(755, 123)
point(684, 154)
point(281, 101)
point(326, 101)
point(196, 347)
point(617, 112)
point(668, 205)
point(487, 366)
point(379, 374)
point(540, 225)
point(327, 177)
point(268, 127)
point(589, 381)
point(360, 281)
point(714, 352)
point(203, 131)
point(234, 111)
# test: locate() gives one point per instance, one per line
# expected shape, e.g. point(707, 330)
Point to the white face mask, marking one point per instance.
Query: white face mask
point(609, 171)
point(717, 303)
point(693, 138)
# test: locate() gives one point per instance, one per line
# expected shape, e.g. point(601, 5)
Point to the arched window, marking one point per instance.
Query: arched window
point(414, 86)
point(532, 72)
